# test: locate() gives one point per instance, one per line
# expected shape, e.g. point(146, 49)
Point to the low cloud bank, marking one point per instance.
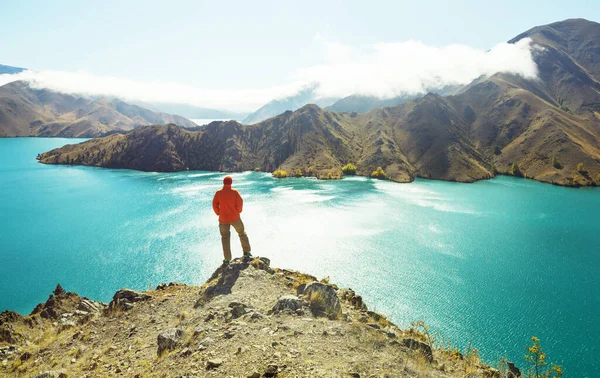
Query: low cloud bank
point(390, 69)
point(383, 70)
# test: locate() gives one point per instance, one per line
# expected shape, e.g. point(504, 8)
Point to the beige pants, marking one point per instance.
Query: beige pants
point(226, 237)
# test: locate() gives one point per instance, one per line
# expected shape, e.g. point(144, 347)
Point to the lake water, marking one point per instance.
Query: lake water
point(490, 263)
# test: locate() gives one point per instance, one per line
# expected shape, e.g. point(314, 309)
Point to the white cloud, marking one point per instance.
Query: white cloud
point(391, 69)
point(383, 70)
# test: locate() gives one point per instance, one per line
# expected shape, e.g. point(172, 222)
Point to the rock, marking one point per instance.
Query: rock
point(10, 317)
point(198, 331)
point(236, 310)
point(513, 371)
point(170, 339)
point(420, 346)
point(51, 374)
point(287, 304)
point(59, 290)
point(125, 297)
point(9, 335)
point(186, 352)
point(271, 371)
point(350, 296)
point(254, 375)
point(64, 324)
point(323, 300)
point(354, 374)
point(25, 356)
point(300, 289)
point(374, 325)
point(91, 307)
point(213, 364)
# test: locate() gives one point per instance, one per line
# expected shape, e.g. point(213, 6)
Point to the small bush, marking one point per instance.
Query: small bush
point(310, 171)
point(329, 176)
point(378, 173)
point(515, 170)
point(580, 168)
point(497, 150)
point(298, 173)
point(598, 178)
point(280, 173)
point(349, 169)
point(256, 169)
point(538, 363)
point(555, 163)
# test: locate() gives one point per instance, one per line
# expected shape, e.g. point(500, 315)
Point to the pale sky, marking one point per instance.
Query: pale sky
point(250, 45)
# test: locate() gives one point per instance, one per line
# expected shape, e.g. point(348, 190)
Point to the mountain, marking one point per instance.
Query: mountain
point(362, 103)
point(307, 95)
point(191, 111)
point(248, 320)
point(546, 128)
point(25, 111)
point(10, 70)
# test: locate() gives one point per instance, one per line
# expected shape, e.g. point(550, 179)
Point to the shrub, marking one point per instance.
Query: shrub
point(280, 173)
point(580, 168)
point(537, 359)
point(497, 150)
point(556, 163)
point(515, 170)
point(598, 178)
point(329, 176)
point(378, 173)
point(298, 173)
point(349, 169)
point(309, 171)
point(256, 169)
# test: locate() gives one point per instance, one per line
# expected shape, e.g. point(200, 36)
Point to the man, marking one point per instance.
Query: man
point(227, 204)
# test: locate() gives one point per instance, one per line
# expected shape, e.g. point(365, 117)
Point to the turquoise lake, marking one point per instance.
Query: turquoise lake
point(488, 264)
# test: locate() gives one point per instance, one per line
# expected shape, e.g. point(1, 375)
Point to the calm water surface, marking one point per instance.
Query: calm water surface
point(490, 263)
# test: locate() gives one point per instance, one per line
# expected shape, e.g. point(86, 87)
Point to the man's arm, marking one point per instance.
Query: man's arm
point(216, 203)
point(239, 202)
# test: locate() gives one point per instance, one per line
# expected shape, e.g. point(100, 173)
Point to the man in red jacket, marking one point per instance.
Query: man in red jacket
point(227, 204)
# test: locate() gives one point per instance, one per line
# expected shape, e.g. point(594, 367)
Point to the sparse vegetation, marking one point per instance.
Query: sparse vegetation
point(515, 170)
point(537, 360)
point(555, 163)
point(298, 173)
point(280, 173)
point(581, 169)
point(378, 173)
point(349, 169)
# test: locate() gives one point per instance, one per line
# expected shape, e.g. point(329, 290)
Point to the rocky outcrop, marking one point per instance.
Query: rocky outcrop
point(419, 346)
point(124, 299)
point(289, 304)
point(225, 333)
point(323, 300)
point(170, 339)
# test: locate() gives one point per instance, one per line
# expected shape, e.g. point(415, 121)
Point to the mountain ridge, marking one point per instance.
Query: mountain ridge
point(25, 111)
point(547, 129)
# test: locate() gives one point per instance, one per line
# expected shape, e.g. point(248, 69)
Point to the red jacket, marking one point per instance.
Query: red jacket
point(227, 204)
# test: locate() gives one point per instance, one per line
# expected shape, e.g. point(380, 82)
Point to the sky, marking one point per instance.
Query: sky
point(239, 53)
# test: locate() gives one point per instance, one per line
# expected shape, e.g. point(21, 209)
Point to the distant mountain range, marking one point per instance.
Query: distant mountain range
point(10, 70)
point(307, 95)
point(191, 111)
point(547, 129)
point(25, 111)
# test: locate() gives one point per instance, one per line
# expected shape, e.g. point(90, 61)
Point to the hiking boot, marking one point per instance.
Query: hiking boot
point(247, 256)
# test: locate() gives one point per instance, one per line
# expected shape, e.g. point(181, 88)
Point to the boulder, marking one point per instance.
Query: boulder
point(236, 309)
point(351, 297)
point(213, 363)
point(287, 304)
point(90, 306)
point(124, 299)
point(419, 346)
point(323, 300)
point(170, 339)
point(512, 370)
point(51, 374)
